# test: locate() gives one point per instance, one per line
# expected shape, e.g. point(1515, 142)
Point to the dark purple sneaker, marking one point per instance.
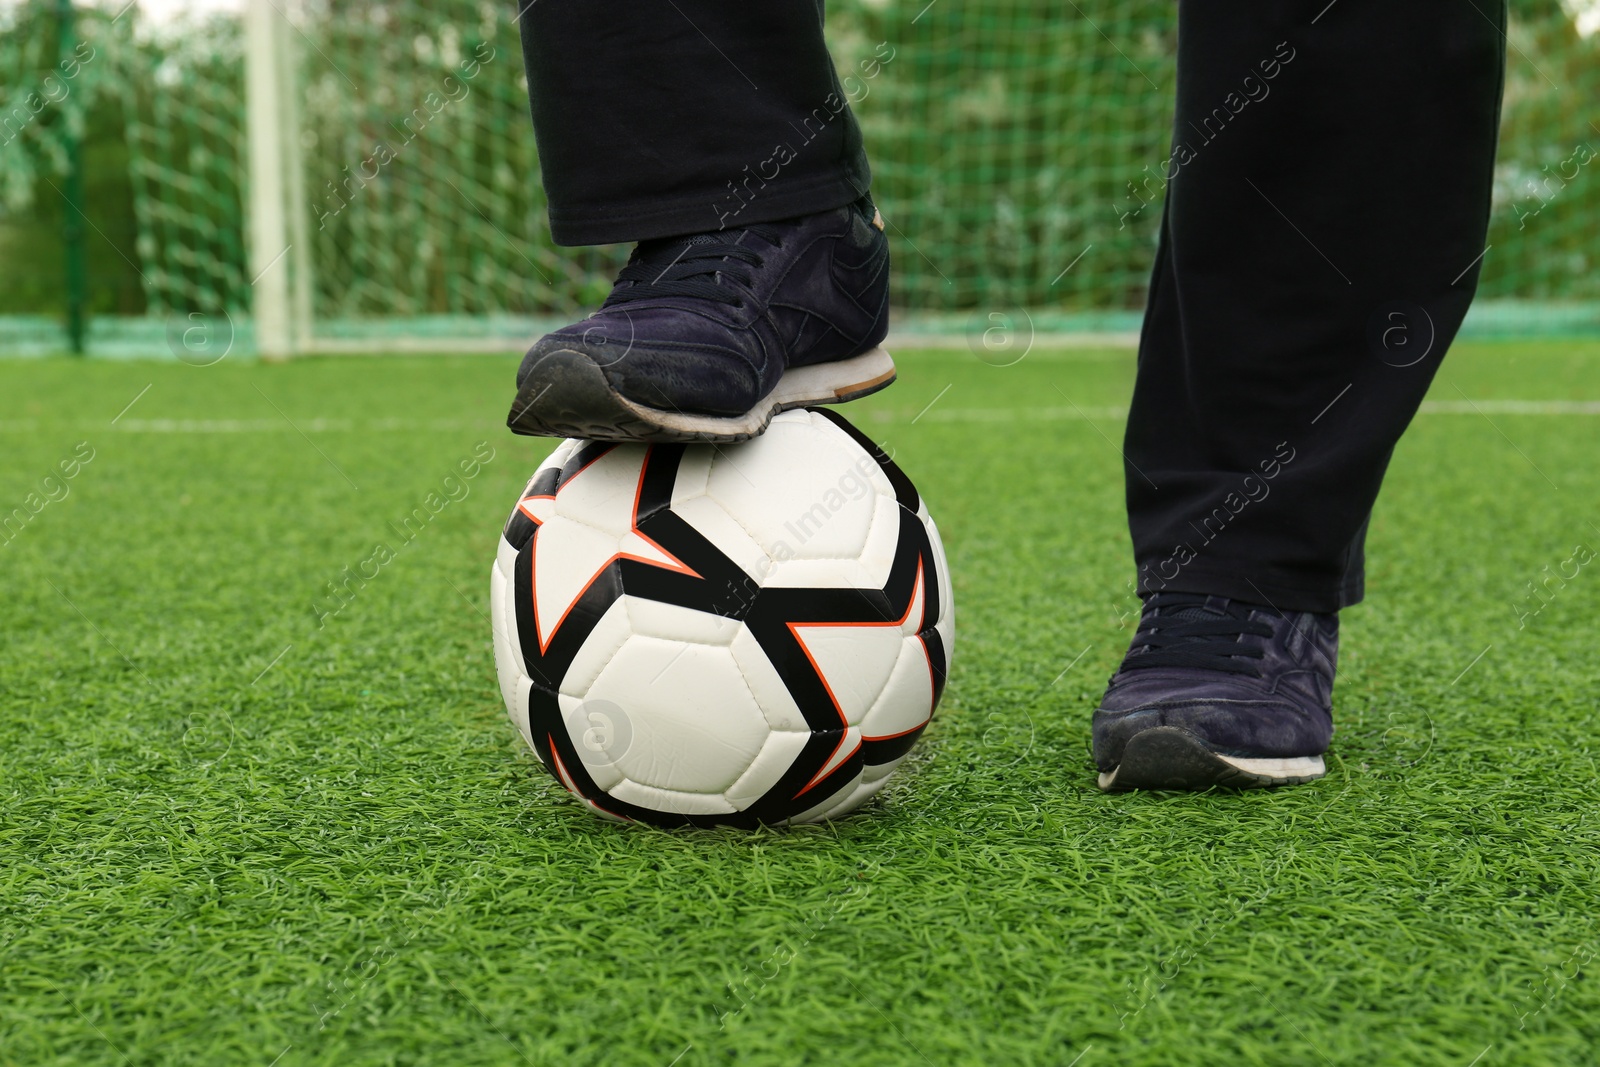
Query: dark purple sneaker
point(705, 338)
point(1215, 692)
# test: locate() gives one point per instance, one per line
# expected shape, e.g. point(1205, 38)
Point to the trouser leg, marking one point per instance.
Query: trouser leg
point(1326, 207)
point(657, 118)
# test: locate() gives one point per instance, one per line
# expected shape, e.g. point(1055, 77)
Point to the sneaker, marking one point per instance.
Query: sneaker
point(705, 338)
point(1215, 692)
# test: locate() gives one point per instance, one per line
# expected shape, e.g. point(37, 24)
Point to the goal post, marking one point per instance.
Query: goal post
point(275, 186)
point(363, 177)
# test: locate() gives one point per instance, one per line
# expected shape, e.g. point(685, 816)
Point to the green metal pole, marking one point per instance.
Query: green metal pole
point(77, 277)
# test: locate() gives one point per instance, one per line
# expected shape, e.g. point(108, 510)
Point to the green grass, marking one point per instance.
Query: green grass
point(229, 836)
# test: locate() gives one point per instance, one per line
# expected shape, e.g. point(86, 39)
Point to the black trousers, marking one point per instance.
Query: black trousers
point(1326, 205)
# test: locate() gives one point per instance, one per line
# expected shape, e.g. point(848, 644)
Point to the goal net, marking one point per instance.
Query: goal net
point(361, 175)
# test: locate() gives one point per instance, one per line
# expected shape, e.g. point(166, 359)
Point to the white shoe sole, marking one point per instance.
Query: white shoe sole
point(1168, 757)
point(566, 394)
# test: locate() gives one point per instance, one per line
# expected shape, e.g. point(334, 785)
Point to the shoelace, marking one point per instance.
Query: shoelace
point(1184, 630)
point(718, 268)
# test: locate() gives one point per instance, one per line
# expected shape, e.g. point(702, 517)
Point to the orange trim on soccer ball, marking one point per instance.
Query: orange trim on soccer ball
point(828, 766)
point(902, 733)
point(561, 768)
point(678, 566)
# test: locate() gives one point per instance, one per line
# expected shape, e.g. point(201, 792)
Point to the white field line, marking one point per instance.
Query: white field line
point(1118, 411)
point(232, 426)
point(1043, 413)
point(1511, 407)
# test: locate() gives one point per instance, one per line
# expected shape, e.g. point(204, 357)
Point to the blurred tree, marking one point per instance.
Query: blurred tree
point(45, 98)
point(1007, 136)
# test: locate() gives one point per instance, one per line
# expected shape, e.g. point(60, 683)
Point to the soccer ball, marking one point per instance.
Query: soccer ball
point(749, 634)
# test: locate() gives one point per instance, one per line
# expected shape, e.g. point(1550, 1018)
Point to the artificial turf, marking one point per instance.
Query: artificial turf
point(231, 834)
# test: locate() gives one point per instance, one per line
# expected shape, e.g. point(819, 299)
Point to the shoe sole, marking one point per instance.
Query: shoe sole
point(1167, 757)
point(572, 398)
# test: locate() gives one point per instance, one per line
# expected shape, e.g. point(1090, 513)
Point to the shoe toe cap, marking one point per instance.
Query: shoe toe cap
point(604, 342)
point(1235, 727)
point(659, 369)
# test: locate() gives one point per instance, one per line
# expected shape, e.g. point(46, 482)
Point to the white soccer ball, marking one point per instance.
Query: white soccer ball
point(750, 634)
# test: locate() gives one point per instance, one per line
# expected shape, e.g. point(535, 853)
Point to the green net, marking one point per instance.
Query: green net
point(1011, 148)
point(184, 106)
point(1004, 142)
point(424, 190)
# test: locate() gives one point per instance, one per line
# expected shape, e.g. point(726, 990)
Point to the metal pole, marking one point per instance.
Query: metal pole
point(269, 239)
point(72, 232)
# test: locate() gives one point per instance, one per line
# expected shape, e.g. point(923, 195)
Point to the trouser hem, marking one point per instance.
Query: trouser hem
point(1283, 592)
point(701, 213)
